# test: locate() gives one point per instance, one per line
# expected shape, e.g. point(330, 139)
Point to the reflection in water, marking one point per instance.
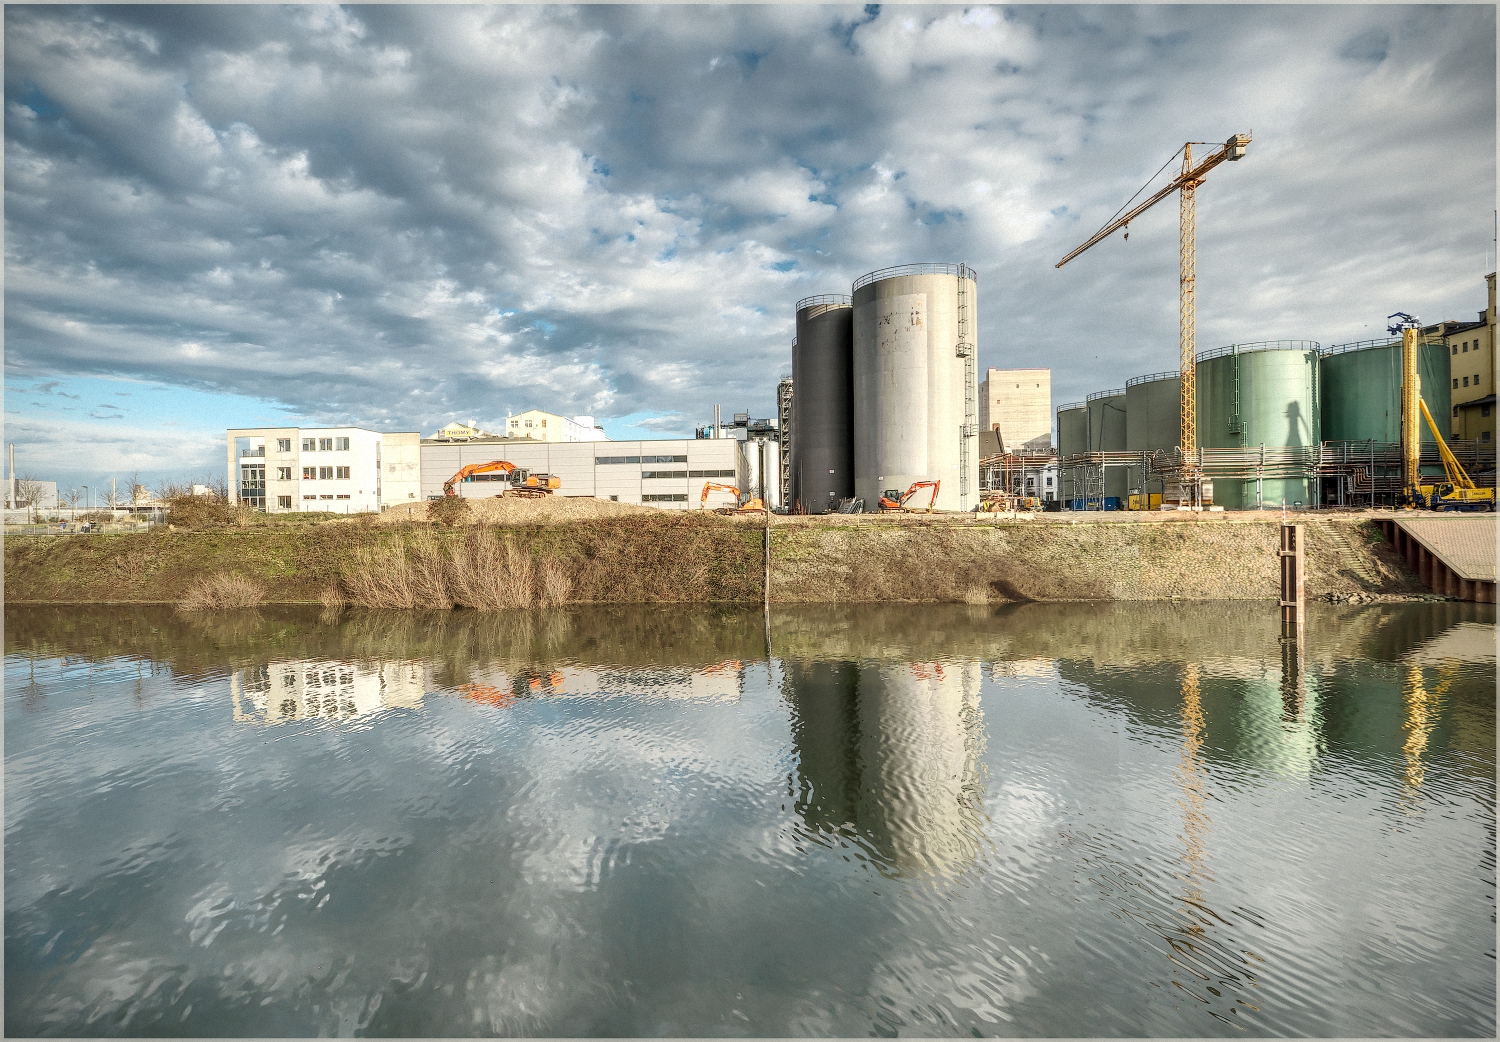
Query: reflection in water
point(1043, 820)
point(277, 692)
point(889, 752)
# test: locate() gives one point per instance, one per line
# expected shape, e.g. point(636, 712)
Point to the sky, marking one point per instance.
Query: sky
point(398, 216)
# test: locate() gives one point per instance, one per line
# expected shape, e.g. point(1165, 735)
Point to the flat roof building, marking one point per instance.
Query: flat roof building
point(348, 470)
point(1018, 404)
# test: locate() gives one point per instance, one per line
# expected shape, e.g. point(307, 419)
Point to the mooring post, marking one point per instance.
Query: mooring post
point(766, 585)
point(1292, 601)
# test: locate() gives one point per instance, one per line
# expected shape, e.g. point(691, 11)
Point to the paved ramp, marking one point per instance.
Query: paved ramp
point(1453, 554)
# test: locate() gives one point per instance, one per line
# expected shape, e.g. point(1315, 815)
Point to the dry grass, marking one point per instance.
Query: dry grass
point(512, 510)
point(555, 583)
point(491, 575)
point(221, 593)
point(484, 573)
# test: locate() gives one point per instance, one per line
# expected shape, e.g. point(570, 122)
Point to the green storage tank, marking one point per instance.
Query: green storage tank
point(1362, 390)
point(1152, 412)
point(1072, 430)
point(1260, 394)
point(1106, 419)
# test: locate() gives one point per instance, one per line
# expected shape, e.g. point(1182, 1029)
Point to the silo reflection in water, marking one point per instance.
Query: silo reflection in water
point(890, 752)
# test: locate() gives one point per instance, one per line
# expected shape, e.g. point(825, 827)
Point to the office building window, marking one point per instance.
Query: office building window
point(309, 444)
point(544, 423)
point(325, 444)
point(340, 472)
point(663, 459)
point(309, 473)
point(1484, 410)
point(665, 498)
point(326, 497)
point(1484, 435)
point(1466, 347)
point(1455, 349)
point(283, 444)
point(528, 423)
point(1466, 381)
point(341, 444)
point(283, 473)
point(664, 473)
point(1455, 383)
point(284, 502)
point(325, 473)
point(342, 497)
point(309, 497)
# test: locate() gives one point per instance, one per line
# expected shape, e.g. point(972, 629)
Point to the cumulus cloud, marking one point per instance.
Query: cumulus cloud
point(401, 215)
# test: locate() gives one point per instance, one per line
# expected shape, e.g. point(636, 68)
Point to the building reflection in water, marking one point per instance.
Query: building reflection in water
point(277, 692)
point(889, 752)
point(502, 683)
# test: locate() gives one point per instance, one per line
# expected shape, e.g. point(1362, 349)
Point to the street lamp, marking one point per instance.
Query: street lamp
point(85, 499)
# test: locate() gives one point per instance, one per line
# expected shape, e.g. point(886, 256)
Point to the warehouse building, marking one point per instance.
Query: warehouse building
point(347, 470)
point(668, 473)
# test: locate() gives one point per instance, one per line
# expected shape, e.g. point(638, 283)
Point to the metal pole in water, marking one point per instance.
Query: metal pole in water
point(766, 585)
point(1293, 559)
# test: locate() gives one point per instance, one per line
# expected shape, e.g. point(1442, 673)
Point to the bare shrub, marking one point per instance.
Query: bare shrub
point(450, 511)
point(381, 580)
point(554, 582)
point(207, 512)
point(221, 592)
point(332, 598)
point(429, 573)
point(491, 575)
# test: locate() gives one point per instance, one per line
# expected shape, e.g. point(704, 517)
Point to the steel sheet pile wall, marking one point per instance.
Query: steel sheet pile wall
point(1362, 390)
point(1260, 394)
point(823, 407)
point(909, 382)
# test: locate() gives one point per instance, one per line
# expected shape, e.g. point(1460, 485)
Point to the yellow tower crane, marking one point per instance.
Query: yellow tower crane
point(1186, 184)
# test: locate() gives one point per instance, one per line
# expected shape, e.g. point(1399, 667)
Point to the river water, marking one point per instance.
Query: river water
point(1061, 820)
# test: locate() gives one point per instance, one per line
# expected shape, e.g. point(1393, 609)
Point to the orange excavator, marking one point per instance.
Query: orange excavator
point(889, 503)
point(522, 482)
point(752, 506)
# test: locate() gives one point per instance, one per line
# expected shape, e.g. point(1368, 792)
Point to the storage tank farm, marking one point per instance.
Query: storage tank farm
point(1106, 424)
point(915, 396)
point(822, 463)
point(1362, 389)
point(1251, 395)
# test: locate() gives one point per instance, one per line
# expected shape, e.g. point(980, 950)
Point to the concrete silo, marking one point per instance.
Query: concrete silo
point(1251, 395)
point(1361, 385)
point(916, 394)
point(823, 406)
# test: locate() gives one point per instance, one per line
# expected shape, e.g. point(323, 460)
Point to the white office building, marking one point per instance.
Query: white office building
point(347, 470)
point(669, 473)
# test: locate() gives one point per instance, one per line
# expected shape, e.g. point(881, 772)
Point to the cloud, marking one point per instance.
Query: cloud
point(402, 215)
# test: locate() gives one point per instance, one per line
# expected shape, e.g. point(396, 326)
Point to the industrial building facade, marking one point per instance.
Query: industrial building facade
point(1018, 404)
point(668, 473)
point(1471, 354)
point(341, 469)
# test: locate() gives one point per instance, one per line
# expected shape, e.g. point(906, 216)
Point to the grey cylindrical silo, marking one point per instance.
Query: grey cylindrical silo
point(1072, 430)
point(1153, 412)
point(911, 411)
point(823, 425)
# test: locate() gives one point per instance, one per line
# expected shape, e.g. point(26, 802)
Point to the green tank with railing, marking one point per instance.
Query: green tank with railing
point(1362, 390)
point(1072, 430)
point(1251, 395)
point(1106, 427)
point(1153, 412)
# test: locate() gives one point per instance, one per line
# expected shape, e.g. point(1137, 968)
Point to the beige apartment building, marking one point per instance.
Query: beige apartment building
point(1018, 404)
point(1471, 350)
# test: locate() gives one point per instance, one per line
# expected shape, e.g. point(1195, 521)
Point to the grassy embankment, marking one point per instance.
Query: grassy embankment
point(702, 558)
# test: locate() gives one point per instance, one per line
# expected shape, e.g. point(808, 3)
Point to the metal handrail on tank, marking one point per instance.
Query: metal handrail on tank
point(1152, 378)
point(1359, 345)
point(963, 271)
point(836, 299)
point(1070, 406)
point(1104, 394)
point(1260, 345)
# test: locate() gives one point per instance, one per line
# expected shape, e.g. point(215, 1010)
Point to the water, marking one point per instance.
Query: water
point(1060, 820)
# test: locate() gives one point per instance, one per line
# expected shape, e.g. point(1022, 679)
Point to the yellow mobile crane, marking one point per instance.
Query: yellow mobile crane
point(1186, 184)
point(1457, 493)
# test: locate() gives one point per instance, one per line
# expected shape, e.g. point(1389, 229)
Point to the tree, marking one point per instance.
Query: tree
point(140, 495)
point(29, 491)
point(72, 496)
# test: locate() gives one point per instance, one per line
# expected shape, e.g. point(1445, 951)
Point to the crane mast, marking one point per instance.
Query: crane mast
point(1185, 184)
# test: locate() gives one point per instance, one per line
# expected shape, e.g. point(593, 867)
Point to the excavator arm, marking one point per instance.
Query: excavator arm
point(714, 486)
point(471, 469)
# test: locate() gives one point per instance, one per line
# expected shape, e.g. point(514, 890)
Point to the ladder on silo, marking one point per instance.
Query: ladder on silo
point(965, 350)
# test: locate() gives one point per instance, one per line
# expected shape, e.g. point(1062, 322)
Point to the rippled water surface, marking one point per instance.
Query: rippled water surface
point(1044, 820)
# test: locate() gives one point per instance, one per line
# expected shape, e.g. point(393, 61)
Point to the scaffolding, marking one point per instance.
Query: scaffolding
point(1345, 473)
